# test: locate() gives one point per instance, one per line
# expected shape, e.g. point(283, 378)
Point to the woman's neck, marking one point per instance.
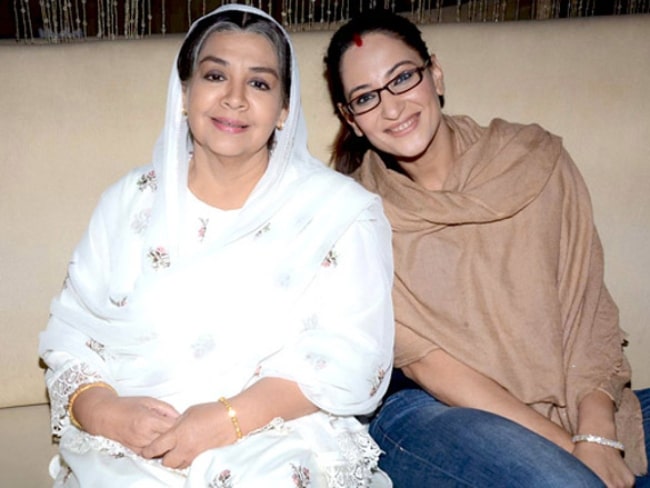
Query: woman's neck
point(431, 169)
point(224, 184)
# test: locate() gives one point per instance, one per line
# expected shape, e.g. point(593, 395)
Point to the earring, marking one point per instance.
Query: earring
point(184, 112)
point(280, 125)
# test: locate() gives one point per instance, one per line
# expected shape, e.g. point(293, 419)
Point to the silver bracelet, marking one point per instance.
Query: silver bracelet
point(596, 439)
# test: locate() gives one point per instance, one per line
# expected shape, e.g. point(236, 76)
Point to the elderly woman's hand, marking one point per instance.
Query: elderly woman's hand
point(132, 421)
point(201, 427)
point(209, 425)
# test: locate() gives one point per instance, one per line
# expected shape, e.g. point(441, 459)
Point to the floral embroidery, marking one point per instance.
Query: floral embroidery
point(317, 362)
point(258, 371)
point(263, 230)
point(159, 258)
point(148, 180)
point(223, 480)
point(95, 346)
point(310, 322)
point(284, 280)
point(377, 381)
point(203, 228)
point(202, 345)
point(119, 302)
point(300, 476)
point(141, 221)
point(330, 259)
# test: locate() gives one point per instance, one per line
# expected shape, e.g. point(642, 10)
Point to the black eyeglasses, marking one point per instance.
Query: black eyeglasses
point(403, 82)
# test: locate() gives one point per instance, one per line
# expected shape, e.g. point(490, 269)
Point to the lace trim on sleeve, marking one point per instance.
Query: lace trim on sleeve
point(66, 384)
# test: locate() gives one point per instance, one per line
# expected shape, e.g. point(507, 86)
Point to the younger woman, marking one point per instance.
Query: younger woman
point(499, 297)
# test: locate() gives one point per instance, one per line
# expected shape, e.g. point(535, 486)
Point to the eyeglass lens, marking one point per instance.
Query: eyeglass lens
point(403, 82)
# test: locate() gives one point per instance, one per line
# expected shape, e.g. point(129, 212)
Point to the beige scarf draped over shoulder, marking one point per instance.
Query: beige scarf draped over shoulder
point(503, 269)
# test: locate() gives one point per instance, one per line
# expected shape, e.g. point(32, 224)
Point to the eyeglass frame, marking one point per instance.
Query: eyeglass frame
point(419, 70)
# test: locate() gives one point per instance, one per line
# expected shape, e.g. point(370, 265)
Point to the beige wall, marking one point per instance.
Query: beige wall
point(75, 117)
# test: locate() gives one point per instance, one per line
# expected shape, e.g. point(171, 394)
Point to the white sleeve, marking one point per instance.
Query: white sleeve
point(72, 357)
point(342, 358)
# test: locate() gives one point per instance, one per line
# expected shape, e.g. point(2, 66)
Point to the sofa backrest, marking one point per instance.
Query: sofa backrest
point(78, 116)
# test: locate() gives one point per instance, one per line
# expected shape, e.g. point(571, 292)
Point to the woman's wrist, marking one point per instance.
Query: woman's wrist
point(83, 400)
point(596, 439)
point(596, 416)
point(232, 414)
point(596, 425)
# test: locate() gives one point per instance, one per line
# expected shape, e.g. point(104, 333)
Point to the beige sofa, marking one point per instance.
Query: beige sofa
point(75, 117)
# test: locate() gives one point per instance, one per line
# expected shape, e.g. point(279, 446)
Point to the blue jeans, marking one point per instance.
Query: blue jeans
point(644, 398)
point(428, 444)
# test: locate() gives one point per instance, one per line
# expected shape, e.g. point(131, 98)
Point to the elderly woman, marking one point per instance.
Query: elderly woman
point(504, 322)
point(216, 327)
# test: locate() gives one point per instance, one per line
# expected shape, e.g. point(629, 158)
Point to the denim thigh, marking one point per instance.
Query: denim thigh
point(644, 399)
point(427, 443)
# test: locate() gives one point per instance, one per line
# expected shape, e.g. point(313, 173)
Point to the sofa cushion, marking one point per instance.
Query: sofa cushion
point(26, 446)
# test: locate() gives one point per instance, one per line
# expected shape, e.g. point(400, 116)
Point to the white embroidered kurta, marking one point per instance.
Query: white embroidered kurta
point(170, 298)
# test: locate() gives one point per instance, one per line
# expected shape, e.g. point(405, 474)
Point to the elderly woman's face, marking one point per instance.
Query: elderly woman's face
point(234, 97)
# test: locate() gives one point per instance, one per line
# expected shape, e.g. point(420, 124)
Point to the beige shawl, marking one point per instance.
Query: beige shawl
point(503, 269)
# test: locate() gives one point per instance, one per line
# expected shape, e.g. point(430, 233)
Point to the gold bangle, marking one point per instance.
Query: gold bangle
point(233, 416)
point(79, 391)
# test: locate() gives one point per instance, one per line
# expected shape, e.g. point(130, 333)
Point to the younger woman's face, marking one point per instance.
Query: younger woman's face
point(403, 125)
point(234, 97)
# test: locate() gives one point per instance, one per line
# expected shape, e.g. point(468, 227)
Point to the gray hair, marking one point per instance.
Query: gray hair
point(236, 21)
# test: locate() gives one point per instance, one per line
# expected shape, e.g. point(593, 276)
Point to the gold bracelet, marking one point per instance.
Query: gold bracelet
point(79, 391)
point(233, 416)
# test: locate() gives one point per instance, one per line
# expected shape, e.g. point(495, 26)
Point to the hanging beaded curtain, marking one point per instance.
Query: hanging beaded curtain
point(70, 20)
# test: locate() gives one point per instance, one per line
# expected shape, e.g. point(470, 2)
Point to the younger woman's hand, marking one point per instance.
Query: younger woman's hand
point(596, 416)
point(134, 422)
point(606, 462)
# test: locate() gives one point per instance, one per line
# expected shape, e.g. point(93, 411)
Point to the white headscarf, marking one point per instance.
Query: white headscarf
point(172, 151)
